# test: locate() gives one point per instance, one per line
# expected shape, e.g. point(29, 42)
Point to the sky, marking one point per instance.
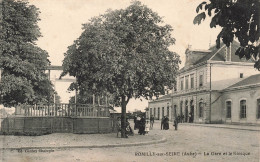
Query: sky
point(61, 23)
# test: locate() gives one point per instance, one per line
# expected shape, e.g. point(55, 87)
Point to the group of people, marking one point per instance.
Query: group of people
point(144, 125)
point(128, 129)
point(165, 123)
point(181, 118)
point(141, 124)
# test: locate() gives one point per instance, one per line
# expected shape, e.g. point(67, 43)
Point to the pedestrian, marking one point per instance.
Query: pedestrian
point(135, 122)
point(182, 118)
point(175, 124)
point(166, 123)
point(142, 126)
point(178, 118)
point(118, 126)
point(189, 118)
point(129, 130)
point(151, 121)
point(147, 126)
point(138, 119)
point(162, 123)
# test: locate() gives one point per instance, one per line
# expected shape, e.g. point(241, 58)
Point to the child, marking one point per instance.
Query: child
point(147, 126)
point(118, 126)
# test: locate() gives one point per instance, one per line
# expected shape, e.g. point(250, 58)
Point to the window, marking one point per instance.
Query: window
point(171, 112)
point(228, 107)
point(243, 109)
point(154, 111)
point(175, 110)
point(182, 85)
point(186, 110)
point(151, 111)
point(168, 111)
point(162, 111)
point(241, 75)
point(201, 80)
point(181, 107)
point(200, 109)
point(187, 82)
point(258, 108)
point(191, 81)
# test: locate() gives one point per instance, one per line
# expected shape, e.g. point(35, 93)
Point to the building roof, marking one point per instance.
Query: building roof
point(251, 80)
point(168, 96)
point(218, 54)
point(165, 97)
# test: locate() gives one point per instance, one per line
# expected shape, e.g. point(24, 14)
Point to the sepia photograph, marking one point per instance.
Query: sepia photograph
point(129, 80)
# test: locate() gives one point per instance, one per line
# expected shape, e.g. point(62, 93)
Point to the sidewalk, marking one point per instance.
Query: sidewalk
point(226, 126)
point(69, 140)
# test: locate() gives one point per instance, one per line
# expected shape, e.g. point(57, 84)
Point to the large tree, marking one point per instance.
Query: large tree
point(22, 62)
point(238, 19)
point(124, 52)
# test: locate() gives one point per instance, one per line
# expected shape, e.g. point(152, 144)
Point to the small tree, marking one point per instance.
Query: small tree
point(238, 19)
point(124, 52)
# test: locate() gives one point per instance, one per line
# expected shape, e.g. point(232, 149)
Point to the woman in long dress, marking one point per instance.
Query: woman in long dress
point(166, 123)
point(142, 126)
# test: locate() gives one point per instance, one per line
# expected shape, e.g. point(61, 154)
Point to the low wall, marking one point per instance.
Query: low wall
point(47, 125)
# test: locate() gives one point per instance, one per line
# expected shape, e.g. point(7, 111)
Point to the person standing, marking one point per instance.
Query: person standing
point(166, 123)
point(135, 120)
point(151, 121)
point(142, 126)
point(175, 124)
point(138, 119)
point(147, 126)
point(129, 130)
point(189, 119)
point(182, 118)
point(162, 123)
point(118, 126)
point(178, 118)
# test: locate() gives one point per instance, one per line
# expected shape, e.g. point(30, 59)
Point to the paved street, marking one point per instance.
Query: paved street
point(189, 143)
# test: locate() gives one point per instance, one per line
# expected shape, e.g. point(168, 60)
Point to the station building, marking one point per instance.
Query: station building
point(214, 86)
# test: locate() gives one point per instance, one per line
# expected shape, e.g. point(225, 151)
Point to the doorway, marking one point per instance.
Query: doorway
point(191, 111)
point(186, 112)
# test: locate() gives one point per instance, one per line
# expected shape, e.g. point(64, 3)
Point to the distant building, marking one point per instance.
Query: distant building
point(215, 86)
point(118, 115)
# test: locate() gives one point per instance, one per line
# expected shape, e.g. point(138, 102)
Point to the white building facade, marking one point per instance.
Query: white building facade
point(203, 86)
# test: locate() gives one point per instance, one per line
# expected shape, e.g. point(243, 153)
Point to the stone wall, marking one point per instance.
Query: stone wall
point(47, 125)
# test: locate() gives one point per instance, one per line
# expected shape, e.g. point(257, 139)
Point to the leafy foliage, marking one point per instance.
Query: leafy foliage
point(239, 19)
point(23, 63)
point(124, 53)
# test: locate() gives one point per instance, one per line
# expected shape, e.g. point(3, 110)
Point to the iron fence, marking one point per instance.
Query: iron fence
point(64, 110)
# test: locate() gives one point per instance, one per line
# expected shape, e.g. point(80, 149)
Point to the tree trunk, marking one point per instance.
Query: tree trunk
point(123, 117)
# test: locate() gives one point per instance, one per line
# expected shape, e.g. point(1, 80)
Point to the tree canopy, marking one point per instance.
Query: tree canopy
point(239, 19)
point(22, 62)
point(125, 53)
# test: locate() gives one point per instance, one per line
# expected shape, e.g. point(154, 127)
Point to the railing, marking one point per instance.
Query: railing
point(63, 110)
